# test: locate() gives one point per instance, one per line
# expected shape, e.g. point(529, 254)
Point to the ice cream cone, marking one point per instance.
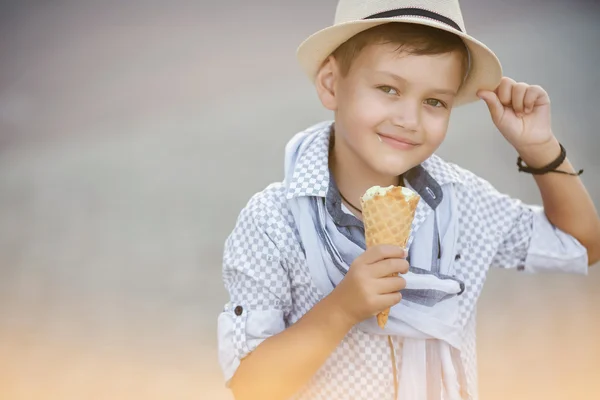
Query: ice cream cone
point(388, 214)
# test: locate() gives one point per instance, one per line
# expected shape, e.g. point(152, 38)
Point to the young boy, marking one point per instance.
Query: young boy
point(303, 289)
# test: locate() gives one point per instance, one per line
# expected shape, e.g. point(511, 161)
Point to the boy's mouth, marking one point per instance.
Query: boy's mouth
point(397, 142)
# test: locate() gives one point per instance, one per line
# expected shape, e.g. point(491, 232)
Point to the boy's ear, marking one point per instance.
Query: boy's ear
point(325, 83)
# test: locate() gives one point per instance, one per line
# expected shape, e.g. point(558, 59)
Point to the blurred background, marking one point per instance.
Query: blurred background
point(133, 132)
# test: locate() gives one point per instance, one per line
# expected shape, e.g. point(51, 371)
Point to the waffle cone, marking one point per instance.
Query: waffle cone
point(388, 219)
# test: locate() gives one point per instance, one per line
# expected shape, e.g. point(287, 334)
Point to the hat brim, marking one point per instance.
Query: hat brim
point(485, 69)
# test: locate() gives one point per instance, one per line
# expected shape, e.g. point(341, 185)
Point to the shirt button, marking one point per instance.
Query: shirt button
point(238, 310)
point(430, 192)
point(457, 257)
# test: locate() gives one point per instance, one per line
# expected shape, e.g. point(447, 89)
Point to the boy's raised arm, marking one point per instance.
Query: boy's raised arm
point(567, 203)
point(522, 114)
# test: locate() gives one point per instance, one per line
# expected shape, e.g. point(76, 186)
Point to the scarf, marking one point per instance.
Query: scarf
point(427, 316)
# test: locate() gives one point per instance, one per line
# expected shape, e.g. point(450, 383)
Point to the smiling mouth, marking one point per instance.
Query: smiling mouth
point(397, 143)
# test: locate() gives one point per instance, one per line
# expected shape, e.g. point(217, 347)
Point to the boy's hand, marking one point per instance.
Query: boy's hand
point(367, 288)
point(522, 114)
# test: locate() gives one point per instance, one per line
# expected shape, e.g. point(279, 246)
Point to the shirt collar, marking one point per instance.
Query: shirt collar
point(311, 173)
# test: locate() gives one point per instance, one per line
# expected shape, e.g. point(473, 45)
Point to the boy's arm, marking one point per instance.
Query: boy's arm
point(521, 112)
point(260, 357)
point(283, 363)
point(567, 203)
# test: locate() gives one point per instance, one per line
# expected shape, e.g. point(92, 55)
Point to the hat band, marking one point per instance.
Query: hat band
point(415, 12)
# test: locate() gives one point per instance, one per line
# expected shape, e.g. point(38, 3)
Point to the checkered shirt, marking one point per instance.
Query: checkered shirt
point(270, 287)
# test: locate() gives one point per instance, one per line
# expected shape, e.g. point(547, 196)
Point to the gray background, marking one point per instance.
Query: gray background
point(131, 135)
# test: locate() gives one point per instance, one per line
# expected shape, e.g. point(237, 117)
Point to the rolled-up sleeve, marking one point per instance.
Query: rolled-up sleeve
point(551, 249)
point(258, 287)
point(532, 243)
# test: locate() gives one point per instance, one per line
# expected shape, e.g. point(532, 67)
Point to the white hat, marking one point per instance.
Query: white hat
point(355, 16)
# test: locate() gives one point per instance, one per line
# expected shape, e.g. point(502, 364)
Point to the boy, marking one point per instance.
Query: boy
point(303, 289)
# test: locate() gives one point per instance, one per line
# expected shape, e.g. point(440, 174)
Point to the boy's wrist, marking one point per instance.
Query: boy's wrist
point(540, 155)
point(337, 314)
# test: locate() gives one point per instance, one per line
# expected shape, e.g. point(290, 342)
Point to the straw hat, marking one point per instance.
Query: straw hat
point(355, 16)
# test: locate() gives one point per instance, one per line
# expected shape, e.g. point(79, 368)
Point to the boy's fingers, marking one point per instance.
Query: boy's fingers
point(391, 284)
point(389, 300)
point(494, 105)
point(529, 100)
point(532, 96)
point(381, 252)
point(518, 97)
point(389, 266)
point(504, 91)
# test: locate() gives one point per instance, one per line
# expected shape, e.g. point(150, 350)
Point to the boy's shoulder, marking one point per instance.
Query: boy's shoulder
point(467, 184)
point(471, 181)
point(268, 211)
point(446, 171)
point(270, 200)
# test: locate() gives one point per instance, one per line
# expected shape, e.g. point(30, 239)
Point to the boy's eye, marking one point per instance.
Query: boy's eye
point(388, 89)
point(435, 103)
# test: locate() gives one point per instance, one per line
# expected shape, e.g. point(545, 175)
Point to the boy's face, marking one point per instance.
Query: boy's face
point(392, 108)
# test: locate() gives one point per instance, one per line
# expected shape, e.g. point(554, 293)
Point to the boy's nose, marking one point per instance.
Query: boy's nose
point(407, 116)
